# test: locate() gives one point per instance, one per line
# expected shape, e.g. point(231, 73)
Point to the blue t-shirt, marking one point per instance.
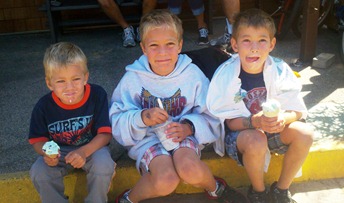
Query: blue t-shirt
point(255, 88)
point(74, 124)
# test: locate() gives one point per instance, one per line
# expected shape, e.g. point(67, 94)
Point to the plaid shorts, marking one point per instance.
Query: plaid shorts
point(274, 143)
point(158, 149)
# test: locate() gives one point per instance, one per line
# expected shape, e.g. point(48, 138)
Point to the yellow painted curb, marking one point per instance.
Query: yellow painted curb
point(320, 164)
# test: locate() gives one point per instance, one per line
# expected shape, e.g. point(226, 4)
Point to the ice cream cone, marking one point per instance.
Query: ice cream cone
point(51, 149)
point(271, 108)
point(53, 156)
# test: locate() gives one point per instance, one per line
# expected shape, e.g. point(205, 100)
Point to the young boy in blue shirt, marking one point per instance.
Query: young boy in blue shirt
point(75, 116)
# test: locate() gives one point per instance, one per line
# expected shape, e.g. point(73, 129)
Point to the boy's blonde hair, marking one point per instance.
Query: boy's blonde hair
point(253, 18)
point(160, 18)
point(62, 54)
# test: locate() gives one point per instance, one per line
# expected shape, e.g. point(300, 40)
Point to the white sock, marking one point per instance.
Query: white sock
point(127, 197)
point(213, 194)
point(129, 200)
point(229, 27)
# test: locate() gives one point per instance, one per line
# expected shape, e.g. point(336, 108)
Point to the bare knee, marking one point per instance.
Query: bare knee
point(301, 134)
point(191, 171)
point(253, 143)
point(306, 136)
point(165, 182)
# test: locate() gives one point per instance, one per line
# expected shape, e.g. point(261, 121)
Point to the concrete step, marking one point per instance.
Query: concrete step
point(323, 162)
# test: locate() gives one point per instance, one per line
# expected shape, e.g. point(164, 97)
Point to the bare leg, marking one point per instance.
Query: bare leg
point(160, 181)
point(299, 137)
point(253, 146)
point(112, 10)
point(192, 170)
point(200, 21)
point(230, 8)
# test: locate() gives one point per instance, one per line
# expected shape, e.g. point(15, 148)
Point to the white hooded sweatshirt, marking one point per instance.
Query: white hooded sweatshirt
point(183, 93)
point(225, 96)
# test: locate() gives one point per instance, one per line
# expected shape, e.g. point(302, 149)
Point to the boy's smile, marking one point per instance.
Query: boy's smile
point(161, 46)
point(253, 46)
point(68, 84)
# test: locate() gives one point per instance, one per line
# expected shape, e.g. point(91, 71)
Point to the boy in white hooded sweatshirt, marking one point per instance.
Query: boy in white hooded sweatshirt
point(236, 93)
point(164, 74)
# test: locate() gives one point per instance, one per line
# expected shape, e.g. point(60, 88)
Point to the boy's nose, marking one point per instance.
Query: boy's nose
point(70, 84)
point(254, 47)
point(162, 50)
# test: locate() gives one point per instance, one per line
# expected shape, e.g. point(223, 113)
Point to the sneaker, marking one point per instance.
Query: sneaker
point(129, 37)
point(203, 36)
point(223, 40)
point(280, 196)
point(257, 197)
point(226, 194)
point(123, 198)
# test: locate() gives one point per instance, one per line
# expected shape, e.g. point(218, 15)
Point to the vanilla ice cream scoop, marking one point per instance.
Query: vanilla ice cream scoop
point(271, 108)
point(51, 149)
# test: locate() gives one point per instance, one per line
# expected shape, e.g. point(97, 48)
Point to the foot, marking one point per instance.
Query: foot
point(280, 196)
point(203, 36)
point(129, 37)
point(223, 41)
point(257, 197)
point(226, 194)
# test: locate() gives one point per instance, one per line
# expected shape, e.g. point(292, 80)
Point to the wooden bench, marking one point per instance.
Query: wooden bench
point(57, 23)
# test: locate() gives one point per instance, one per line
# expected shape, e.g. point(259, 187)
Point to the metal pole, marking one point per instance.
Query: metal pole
point(309, 30)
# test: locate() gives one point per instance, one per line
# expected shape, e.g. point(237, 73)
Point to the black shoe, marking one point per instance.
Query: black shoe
point(226, 194)
point(280, 196)
point(257, 197)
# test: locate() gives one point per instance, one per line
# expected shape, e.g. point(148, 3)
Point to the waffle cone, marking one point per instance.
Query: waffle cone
point(52, 156)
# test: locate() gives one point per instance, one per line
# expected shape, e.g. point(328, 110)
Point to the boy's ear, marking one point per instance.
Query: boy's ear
point(86, 77)
point(180, 46)
point(273, 43)
point(234, 44)
point(143, 48)
point(47, 81)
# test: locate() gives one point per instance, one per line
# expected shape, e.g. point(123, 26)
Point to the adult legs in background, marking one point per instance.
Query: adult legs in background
point(113, 11)
point(197, 7)
point(230, 8)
